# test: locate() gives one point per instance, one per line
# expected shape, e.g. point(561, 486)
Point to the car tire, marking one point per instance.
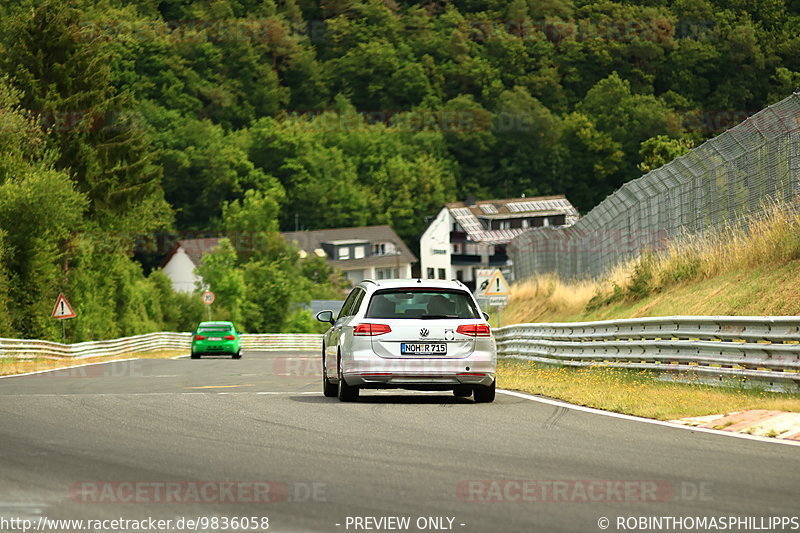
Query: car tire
point(330, 390)
point(462, 392)
point(195, 355)
point(484, 394)
point(345, 392)
point(237, 355)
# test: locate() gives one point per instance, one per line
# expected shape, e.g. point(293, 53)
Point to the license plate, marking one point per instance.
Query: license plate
point(215, 338)
point(423, 348)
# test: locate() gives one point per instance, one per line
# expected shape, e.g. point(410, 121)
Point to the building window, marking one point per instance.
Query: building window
point(379, 249)
point(386, 273)
point(456, 248)
point(343, 253)
point(460, 275)
point(358, 252)
point(354, 276)
point(442, 273)
point(431, 274)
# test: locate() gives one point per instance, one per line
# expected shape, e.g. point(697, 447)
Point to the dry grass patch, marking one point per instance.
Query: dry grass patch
point(537, 298)
point(9, 366)
point(729, 259)
point(636, 393)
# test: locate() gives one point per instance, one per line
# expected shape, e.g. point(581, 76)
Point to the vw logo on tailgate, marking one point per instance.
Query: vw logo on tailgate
point(424, 332)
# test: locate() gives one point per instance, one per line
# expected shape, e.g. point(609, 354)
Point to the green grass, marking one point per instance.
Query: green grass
point(636, 393)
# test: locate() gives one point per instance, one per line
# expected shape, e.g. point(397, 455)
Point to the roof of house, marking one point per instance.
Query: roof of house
point(467, 215)
point(313, 239)
point(197, 248)
point(194, 248)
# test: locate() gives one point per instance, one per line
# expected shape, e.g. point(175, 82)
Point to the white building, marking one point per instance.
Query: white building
point(183, 258)
point(466, 236)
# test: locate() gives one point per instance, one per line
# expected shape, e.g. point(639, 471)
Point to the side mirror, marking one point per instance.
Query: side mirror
point(485, 316)
point(325, 316)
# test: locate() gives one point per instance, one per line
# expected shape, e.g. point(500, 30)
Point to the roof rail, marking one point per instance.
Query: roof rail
point(369, 281)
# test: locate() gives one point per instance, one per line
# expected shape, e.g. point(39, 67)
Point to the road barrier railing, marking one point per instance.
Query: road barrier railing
point(763, 348)
point(26, 348)
point(282, 341)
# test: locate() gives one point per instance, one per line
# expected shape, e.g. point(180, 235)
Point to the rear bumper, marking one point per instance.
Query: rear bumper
point(212, 348)
point(425, 381)
point(365, 369)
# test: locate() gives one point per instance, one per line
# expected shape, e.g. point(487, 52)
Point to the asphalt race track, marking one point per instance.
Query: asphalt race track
point(103, 442)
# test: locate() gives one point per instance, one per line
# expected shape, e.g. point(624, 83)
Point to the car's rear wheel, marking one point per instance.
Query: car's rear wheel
point(237, 355)
point(330, 390)
point(484, 394)
point(346, 393)
point(462, 392)
point(195, 355)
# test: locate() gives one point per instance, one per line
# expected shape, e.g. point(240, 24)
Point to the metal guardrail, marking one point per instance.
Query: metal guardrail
point(758, 348)
point(282, 341)
point(25, 348)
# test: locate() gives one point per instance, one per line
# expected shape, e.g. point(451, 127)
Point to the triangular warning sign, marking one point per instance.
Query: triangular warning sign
point(62, 308)
point(497, 286)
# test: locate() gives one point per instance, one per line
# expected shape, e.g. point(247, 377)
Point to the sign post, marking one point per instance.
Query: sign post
point(62, 311)
point(208, 299)
point(492, 290)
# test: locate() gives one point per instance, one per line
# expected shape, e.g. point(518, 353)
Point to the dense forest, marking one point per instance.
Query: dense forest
point(126, 122)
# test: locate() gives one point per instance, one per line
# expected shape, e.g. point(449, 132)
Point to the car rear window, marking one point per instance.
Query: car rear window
point(215, 329)
point(421, 303)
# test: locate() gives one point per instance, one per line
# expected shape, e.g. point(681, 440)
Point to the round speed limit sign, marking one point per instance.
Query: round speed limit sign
point(208, 297)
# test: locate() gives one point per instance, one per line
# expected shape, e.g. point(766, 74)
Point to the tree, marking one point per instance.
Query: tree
point(589, 160)
point(660, 150)
point(629, 119)
point(39, 210)
point(67, 81)
point(221, 274)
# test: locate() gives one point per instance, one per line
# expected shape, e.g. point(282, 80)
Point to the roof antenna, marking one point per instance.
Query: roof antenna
point(419, 280)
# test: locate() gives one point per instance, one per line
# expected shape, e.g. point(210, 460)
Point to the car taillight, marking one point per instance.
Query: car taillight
point(474, 330)
point(199, 337)
point(370, 330)
point(230, 338)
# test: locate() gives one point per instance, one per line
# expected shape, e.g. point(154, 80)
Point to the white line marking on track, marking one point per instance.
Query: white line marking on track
point(594, 411)
point(180, 356)
point(68, 367)
point(289, 392)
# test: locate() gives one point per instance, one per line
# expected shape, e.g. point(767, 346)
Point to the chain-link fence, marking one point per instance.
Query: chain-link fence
point(721, 182)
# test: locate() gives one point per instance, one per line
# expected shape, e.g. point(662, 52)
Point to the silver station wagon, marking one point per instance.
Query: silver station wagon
point(409, 334)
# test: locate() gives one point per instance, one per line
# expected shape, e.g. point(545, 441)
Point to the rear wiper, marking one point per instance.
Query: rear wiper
point(425, 317)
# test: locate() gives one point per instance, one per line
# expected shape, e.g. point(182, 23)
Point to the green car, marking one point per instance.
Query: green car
point(216, 338)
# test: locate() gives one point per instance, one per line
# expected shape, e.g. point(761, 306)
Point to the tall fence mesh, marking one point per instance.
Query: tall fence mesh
point(722, 182)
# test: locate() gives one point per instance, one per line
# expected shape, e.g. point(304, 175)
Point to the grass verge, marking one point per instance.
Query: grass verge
point(634, 392)
point(10, 366)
